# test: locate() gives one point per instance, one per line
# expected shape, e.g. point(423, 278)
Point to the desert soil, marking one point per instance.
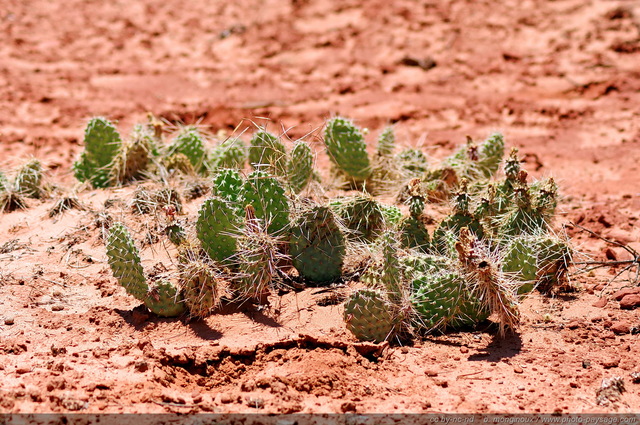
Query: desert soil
point(561, 80)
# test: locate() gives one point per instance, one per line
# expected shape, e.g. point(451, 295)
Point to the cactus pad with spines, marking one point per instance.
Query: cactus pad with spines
point(164, 299)
point(231, 153)
point(267, 196)
point(124, 260)
point(368, 315)
point(300, 166)
point(363, 215)
point(202, 288)
point(317, 245)
point(266, 152)
point(101, 145)
point(28, 181)
point(386, 142)
point(217, 227)
point(346, 148)
point(189, 142)
point(227, 184)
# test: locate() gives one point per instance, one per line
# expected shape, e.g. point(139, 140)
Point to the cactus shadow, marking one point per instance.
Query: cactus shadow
point(499, 348)
point(262, 316)
point(203, 331)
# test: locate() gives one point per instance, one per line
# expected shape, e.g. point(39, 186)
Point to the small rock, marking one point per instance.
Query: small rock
point(574, 324)
point(600, 303)
point(464, 350)
point(610, 363)
point(348, 406)
point(517, 369)
point(442, 383)
point(196, 397)
point(57, 307)
point(520, 387)
point(619, 236)
point(22, 370)
point(630, 301)
point(9, 321)
point(610, 254)
point(141, 366)
point(622, 327)
point(573, 384)
point(255, 402)
point(635, 377)
point(248, 386)
point(431, 372)
point(226, 398)
point(624, 292)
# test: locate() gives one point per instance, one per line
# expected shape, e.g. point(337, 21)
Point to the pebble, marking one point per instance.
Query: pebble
point(57, 307)
point(621, 327)
point(431, 372)
point(9, 321)
point(630, 301)
point(600, 303)
point(610, 363)
point(624, 292)
point(517, 369)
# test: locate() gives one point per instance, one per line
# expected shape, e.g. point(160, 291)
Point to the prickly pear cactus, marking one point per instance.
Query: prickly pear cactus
point(28, 181)
point(300, 166)
point(436, 299)
point(368, 315)
point(217, 227)
point(414, 234)
point(392, 214)
point(189, 142)
point(178, 162)
point(231, 153)
point(490, 155)
point(101, 145)
point(124, 261)
point(363, 215)
point(386, 142)
point(227, 184)
point(202, 288)
point(413, 163)
point(267, 153)
point(460, 218)
point(133, 158)
point(346, 148)
point(317, 245)
point(164, 299)
point(258, 259)
point(161, 297)
point(268, 198)
point(4, 183)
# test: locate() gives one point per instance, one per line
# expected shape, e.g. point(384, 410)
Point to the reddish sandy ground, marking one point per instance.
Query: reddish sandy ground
point(561, 79)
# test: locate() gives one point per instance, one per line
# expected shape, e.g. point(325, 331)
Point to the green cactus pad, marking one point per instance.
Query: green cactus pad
point(133, 158)
point(386, 142)
point(363, 215)
point(28, 181)
point(217, 227)
point(346, 148)
point(4, 183)
point(189, 142)
point(392, 214)
point(437, 299)
point(414, 234)
point(231, 153)
point(164, 299)
point(228, 185)
point(368, 315)
point(101, 145)
point(490, 153)
point(317, 245)
point(413, 163)
point(202, 288)
point(300, 166)
point(124, 261)
point(267, 153)
point(520, 260)
point(268, 198)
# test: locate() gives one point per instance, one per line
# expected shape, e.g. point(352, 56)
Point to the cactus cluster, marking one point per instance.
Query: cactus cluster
point(28, 182)
point(259, 228)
